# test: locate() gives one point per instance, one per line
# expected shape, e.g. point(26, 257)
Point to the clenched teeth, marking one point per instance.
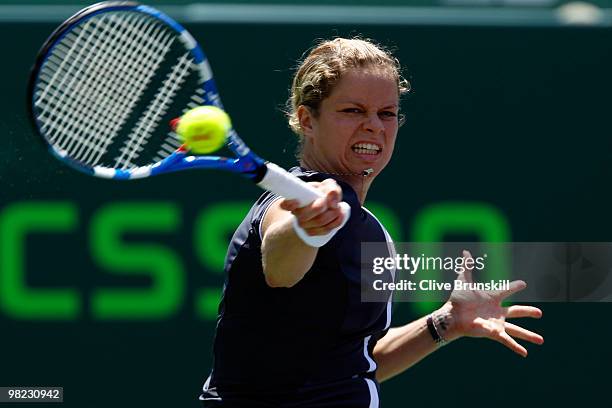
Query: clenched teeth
point(366, 148)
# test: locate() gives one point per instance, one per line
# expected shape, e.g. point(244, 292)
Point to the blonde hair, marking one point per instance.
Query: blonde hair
point(324, 66)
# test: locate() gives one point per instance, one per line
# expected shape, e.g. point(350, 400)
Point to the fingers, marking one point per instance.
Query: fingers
point(514, 287)
point(517, 331)
point(522, 311)
point(289, 205)
point(322, 215)
point(504, 332)
point(312, 210)
point(466, 275)
point(322, 220)
point(524, 334)
point(332, 191)
point(326, 228)
point(505, 339)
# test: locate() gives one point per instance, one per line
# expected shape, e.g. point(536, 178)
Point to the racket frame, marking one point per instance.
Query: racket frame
point(246, 163)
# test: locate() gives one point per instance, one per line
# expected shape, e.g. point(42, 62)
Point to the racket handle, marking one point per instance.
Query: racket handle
point(281, 182)
point(285, 184)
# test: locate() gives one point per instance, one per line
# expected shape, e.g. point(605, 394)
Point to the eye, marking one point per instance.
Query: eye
point(388, 114)
point(351, 110)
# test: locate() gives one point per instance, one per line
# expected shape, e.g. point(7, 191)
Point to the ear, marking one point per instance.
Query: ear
point(305, 119)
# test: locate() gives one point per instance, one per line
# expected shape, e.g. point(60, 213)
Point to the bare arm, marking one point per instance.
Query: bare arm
point(285, 257)
point(404, 346)
point(468, 313)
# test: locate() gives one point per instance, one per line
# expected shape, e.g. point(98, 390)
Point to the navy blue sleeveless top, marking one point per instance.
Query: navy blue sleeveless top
point(271, 341)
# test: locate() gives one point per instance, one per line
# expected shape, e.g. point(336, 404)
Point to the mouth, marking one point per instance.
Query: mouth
point(371, 149)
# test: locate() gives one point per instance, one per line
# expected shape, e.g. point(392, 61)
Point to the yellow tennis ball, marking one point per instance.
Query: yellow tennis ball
point(204, 129)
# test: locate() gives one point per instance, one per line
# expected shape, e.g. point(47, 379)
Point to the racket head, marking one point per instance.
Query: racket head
point(107, 83)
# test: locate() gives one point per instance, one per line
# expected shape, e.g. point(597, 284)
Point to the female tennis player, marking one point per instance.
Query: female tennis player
point(292, 330)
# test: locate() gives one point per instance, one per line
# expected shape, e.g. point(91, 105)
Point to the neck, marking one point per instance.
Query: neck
point(360, 182)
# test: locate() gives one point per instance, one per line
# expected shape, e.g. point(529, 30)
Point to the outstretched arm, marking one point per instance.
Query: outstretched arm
point(468, 313)
point(285, 257)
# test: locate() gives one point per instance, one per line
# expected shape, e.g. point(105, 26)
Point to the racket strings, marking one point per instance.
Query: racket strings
point(196, 99)
point(115, 35)
point(61, 61)
point(97, 76)
point(116, 96)
point(95, 131)
point(135, 79)
point(63, 88)
point(173, 141)
point(73, 91)
point(155, 111)
point(168, 147)
point(79, 100)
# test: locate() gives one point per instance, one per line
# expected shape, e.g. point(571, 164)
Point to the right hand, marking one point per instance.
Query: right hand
point(322, 215)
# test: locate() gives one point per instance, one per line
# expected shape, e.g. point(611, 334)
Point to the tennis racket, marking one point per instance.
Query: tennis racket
point(108, 82)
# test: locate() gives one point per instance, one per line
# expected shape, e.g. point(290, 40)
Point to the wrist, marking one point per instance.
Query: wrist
point(445, 323)
point(317, 241)
point(314, 241)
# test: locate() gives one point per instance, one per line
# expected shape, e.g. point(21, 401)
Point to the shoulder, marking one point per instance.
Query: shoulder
point(259, 209)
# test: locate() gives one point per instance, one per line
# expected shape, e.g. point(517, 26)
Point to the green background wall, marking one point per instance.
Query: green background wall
point(509, 120)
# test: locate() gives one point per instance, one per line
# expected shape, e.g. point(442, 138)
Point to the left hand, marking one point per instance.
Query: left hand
point(474, 313)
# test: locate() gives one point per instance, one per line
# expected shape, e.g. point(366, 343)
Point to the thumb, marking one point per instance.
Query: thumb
point(466, 275)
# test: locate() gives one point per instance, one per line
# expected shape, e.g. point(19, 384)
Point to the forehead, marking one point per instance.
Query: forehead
point(371, 86)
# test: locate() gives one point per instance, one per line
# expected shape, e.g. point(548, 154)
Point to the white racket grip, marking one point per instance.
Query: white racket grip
point(318, 241)
point(285, 184)
point(281, 182)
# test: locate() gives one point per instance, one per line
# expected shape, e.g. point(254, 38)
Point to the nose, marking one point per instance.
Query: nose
point(374, 124)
